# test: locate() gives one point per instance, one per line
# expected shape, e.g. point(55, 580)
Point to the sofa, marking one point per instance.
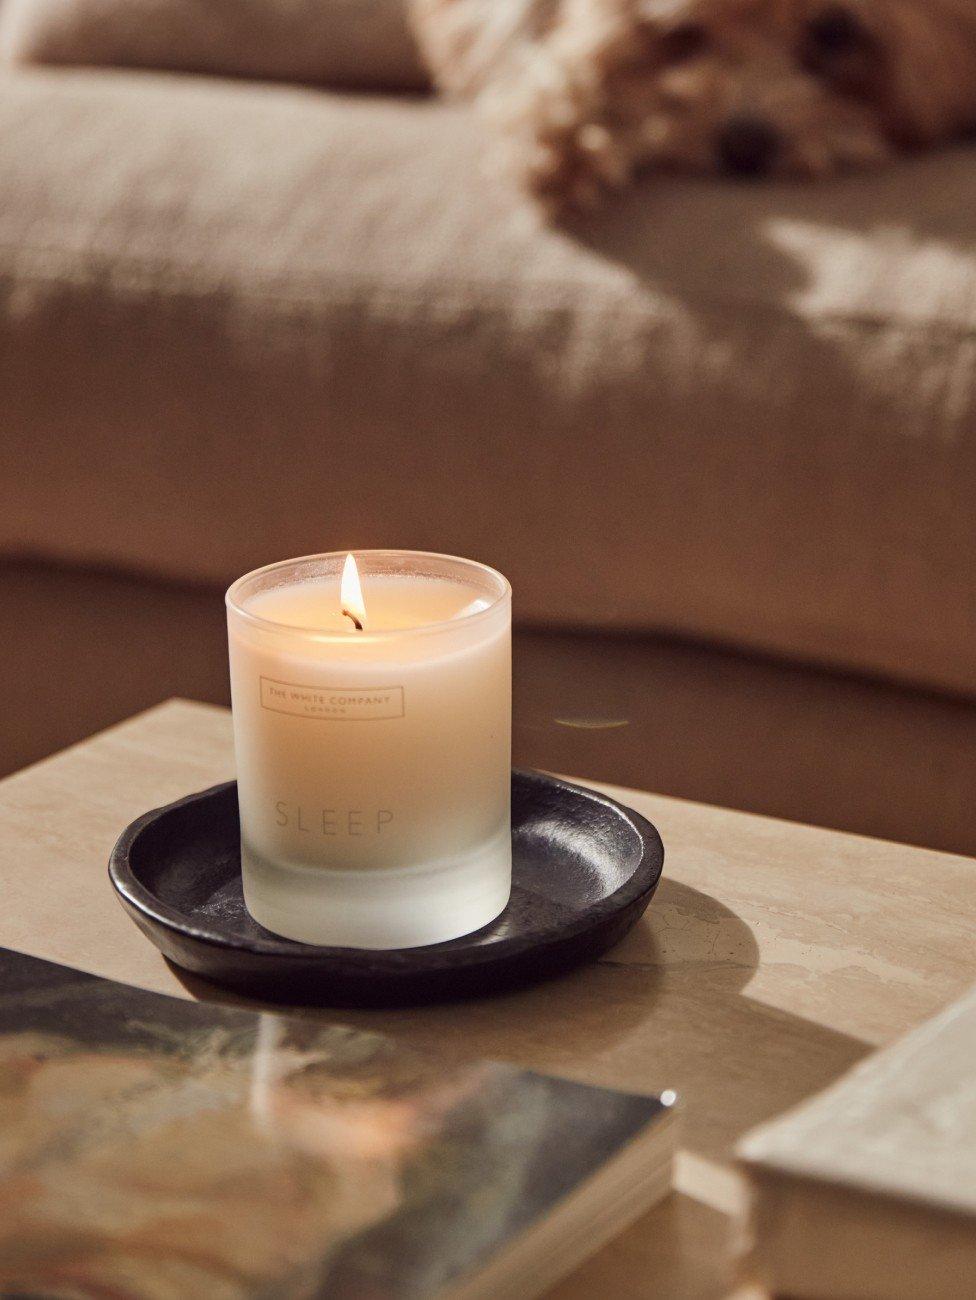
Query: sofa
point(259, 296)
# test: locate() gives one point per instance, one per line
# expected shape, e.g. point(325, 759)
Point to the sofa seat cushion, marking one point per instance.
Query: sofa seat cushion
point(241, 323)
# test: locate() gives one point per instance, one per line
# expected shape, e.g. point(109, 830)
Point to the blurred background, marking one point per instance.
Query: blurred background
point(259, 297)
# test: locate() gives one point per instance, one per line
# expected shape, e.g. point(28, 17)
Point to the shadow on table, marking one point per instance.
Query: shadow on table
point(683, 1244)
point(665, 1008)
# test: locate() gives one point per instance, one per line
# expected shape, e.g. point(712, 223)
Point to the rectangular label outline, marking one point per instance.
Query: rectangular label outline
point(349, 690)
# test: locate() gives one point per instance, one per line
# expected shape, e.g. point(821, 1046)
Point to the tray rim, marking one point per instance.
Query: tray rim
point(144, 904)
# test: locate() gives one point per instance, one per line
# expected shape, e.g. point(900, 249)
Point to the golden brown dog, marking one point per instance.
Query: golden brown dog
point(585, 92)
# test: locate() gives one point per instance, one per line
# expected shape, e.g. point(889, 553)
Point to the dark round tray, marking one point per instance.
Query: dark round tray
point(584, 870)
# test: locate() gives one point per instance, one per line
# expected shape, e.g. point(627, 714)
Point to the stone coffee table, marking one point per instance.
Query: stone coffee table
point(773, 957)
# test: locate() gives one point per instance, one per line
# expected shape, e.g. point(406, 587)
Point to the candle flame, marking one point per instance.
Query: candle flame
point(351, 593)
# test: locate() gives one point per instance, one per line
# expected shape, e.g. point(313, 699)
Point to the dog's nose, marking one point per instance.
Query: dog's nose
point(747, 146)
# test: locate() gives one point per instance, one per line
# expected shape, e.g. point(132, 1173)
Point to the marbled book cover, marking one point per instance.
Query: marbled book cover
point(157, 1148)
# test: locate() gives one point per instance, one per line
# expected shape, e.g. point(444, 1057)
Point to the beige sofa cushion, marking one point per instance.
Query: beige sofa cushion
point(364, 43)
point(244, 323)
point(81, 650)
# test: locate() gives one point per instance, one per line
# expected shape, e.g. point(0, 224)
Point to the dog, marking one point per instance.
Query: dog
point(585, 93)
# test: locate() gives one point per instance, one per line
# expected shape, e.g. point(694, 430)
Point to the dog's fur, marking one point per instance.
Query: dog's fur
point(585, 92)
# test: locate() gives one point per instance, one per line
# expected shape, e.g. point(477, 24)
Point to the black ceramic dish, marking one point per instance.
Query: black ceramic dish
point(584, 870)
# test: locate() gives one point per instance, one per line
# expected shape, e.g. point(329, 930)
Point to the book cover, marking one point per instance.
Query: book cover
point(154, 1147)
point(869, 1188)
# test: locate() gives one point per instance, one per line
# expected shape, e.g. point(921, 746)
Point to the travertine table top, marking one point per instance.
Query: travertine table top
point(773, 957)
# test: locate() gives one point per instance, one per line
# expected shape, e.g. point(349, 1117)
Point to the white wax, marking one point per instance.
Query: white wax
point(394, 602)
point(373, 766)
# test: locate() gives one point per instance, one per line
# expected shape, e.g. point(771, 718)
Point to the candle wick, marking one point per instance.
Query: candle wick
point(356, 623)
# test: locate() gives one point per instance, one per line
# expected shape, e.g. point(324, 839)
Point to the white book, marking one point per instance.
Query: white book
point(869, 1189)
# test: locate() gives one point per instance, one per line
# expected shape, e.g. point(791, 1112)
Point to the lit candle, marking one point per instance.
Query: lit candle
point(372, 725)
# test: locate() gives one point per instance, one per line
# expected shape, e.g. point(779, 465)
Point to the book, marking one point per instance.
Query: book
point(152, 1147)
point(869, 1189)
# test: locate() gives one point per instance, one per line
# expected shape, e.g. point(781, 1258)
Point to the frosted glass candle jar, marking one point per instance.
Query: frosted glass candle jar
point(373, 763)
